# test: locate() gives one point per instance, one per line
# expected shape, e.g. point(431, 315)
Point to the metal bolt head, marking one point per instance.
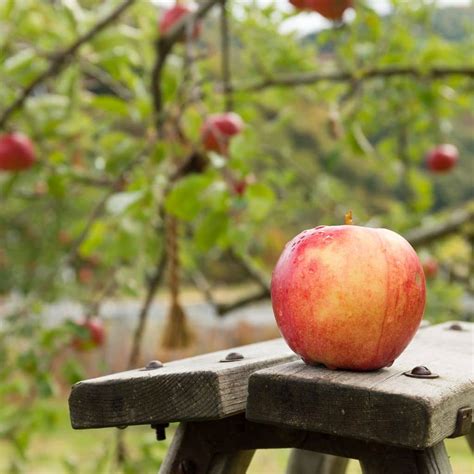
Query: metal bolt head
point(154, 364)
point(160, 430)
point(421, 372)
point(455, 327)
point(232, 357)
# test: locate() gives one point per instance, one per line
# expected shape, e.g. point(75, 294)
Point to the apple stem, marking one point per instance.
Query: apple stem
point(348, 218)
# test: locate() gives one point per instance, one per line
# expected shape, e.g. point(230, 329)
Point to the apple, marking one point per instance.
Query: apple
point(64, 238)
point(94, 335)
point(348, 297)
point(85, 274)
point(330, 9)
point(430, 267)
point(218, 129)
point(173, 15)
point(442, 158)
point(16, 152)
point(239, 186)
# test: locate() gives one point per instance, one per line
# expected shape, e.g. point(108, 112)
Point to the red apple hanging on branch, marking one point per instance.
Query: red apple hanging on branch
point(348, 297)
point(442, 158)
point(330, 9)
point(92, 335)
point(239, 186)
point(173, 15)
point(218, 130)
point(16, 152)
point(430, 267)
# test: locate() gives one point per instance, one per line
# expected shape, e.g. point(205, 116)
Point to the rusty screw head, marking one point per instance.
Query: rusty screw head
point(232, 357)
point(154, 364)
point(455, 327)
point(421, 372)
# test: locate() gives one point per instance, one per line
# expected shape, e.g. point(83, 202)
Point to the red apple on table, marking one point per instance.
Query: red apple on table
point(348, 297)
point(16, 152)
point(218, 129)
point(430, 267)
point(173, 15)
point(442, 158)
point(94, 335)
point(330, 9)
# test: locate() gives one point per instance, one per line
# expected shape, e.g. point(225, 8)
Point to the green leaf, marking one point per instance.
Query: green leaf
point(210, 230)
point(185, 200)
point(261, 199)
point(111, 105)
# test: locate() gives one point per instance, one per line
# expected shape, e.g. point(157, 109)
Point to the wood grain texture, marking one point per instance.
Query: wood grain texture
point(383, 406)
point(198, 388)
point(310, 462)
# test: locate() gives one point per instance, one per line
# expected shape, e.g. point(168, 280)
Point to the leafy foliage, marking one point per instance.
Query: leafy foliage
point(87, 220)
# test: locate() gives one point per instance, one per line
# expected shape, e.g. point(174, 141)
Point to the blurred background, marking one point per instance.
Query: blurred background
point(153, 166)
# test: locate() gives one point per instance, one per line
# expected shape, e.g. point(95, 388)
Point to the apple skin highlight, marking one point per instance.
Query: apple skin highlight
point(348, 297)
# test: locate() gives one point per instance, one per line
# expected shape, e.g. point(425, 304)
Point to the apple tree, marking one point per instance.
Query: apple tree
point(141, 148)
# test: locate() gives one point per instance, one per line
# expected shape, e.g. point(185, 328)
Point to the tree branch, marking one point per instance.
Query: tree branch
point(419, 236)
point(60, 60)
point(222, 309)
point(153, 283)
point(425, 235)
point(307, 78)
point(225, 57)
point(164, 46)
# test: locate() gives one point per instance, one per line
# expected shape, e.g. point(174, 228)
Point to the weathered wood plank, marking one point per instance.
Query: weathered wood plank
point(383, 406)
point(310, 462)
point(198, 388)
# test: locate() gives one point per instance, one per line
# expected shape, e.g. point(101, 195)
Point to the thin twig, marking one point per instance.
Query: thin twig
point(100, 206)
point(225, 57)
point(251, 270)
point(153, 283)
point(61, 59)
point(263, 294)
point(306, 78)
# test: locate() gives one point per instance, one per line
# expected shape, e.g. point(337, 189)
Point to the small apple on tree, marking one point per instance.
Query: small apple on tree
point(348, 297)
point(442, 158)
point(239, 186)
point(218, 129)
point(85, 274)
point(16, 152)
point(173, 15)
point(430, 267)
point(330, 9)
point(91, 334)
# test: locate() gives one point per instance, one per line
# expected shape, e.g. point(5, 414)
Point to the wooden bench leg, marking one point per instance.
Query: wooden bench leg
point(310, 462)
point(470, 439)
point(429, 461)
point(207, 448)
point(233, 463)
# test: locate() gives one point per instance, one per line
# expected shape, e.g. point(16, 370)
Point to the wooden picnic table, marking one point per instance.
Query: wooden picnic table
point(230, 403)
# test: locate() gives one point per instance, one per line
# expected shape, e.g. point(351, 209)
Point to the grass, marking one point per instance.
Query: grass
point(56, 449)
